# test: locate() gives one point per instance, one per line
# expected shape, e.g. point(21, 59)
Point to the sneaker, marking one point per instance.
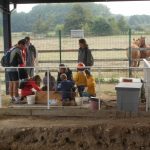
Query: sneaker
point(12, 100)
point(20, 102)
point(23, 102)
point(17, 102)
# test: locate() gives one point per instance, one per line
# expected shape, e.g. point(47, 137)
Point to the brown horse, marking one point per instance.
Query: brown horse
point(143, 53)
point(135, 53)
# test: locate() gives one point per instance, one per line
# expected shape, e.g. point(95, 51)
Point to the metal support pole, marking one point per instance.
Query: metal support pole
point(130, 57)
point(37, 62)
point(0, 94)
point(6, 33)
point(48, 100)
point(60, 48)
point(99, 86)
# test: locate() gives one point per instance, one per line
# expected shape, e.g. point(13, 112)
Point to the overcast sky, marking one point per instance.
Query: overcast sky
point(124, 8)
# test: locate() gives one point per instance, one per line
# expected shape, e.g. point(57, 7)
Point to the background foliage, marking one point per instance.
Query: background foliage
point(91, 17)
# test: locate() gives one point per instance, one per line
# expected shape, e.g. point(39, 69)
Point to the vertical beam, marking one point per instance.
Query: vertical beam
point(6, 25)
point(6, 33)
point(60, 48)
point(130, 57)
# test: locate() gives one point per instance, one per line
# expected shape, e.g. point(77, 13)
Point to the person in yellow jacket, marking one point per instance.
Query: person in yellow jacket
point(80, 78)
point(90, 84)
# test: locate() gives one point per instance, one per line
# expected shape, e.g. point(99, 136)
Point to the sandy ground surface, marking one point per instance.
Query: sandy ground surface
point(48, 122)
point(108, 132)
point(63, 133)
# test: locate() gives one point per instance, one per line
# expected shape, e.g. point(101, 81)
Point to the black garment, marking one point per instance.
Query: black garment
point(85, 56)
point(30, 57)
point(80, 90)
point(22, 73)
point(13, 76)
point(30, 72)
point(68, 74)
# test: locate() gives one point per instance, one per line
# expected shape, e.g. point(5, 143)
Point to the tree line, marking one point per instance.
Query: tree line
point(91, 17)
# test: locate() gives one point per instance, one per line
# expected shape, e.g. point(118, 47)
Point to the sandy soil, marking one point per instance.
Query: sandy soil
point(36, 133)
point(109, 132)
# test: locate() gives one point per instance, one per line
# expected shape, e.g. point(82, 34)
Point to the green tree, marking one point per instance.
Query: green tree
point(40, 26)
point(112, 21)
point(59, 27)
point(101, 27)
point(78, 18)
point(20, 22)
point(122, 24)
point(98, 10)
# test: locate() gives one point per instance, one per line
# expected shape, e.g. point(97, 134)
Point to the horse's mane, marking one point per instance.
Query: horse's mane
point(142, 42)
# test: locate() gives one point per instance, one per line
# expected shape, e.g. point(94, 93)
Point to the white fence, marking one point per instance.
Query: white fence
point(146, 77)
point(147, 83)
point(48, 70)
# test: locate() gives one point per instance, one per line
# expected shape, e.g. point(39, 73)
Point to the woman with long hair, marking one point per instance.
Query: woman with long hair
point(84, 54)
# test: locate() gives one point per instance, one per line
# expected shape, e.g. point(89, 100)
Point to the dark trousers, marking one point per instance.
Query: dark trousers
point(30, 72)
point(81, 89)
point(22, 73)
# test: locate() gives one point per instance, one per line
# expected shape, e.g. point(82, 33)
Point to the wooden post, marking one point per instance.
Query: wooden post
point(6, 33)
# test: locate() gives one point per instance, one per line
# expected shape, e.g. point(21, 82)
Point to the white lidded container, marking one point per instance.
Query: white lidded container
point(78, 101)
point(31, 99)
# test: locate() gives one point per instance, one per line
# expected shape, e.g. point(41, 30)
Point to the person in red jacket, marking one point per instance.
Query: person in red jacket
point(32, 83)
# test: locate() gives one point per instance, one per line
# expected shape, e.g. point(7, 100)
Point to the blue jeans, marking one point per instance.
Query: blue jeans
point(81, 89)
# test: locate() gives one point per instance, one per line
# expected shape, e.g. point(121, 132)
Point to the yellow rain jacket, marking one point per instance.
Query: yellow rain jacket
point(80, 78)
point(91, 86)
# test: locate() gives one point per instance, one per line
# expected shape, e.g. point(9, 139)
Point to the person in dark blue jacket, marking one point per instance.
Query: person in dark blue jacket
point(66, 88)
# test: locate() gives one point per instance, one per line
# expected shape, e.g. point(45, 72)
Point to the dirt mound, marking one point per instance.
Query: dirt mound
point(74, 134)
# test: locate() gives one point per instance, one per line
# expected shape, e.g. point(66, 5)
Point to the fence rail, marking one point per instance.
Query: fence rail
point(94, 50)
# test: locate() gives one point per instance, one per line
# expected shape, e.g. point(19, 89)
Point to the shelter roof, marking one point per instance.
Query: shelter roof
point(62, 1)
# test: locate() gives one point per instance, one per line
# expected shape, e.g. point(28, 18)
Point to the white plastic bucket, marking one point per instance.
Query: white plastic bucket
point(85, 99)
point(31, 99)
point(78, 101)
point(53, 102)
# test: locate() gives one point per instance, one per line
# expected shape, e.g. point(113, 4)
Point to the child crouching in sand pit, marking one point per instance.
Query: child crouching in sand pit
point(90, 84)
point(80, 78)
point(66, 90)
point(29, 84)
point(52, 82)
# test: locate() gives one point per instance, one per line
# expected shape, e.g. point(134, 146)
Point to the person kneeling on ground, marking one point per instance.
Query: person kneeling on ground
point(32, 83)
point(90, 84)
point(66, 89)
point(63, 70)
point(80, 78)
point(52, 83)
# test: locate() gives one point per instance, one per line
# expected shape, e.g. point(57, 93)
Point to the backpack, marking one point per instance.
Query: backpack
point(5, 60)
point(22, 83)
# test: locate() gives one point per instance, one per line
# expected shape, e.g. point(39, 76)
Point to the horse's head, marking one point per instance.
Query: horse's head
point(142, 42)
point(136, 42)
